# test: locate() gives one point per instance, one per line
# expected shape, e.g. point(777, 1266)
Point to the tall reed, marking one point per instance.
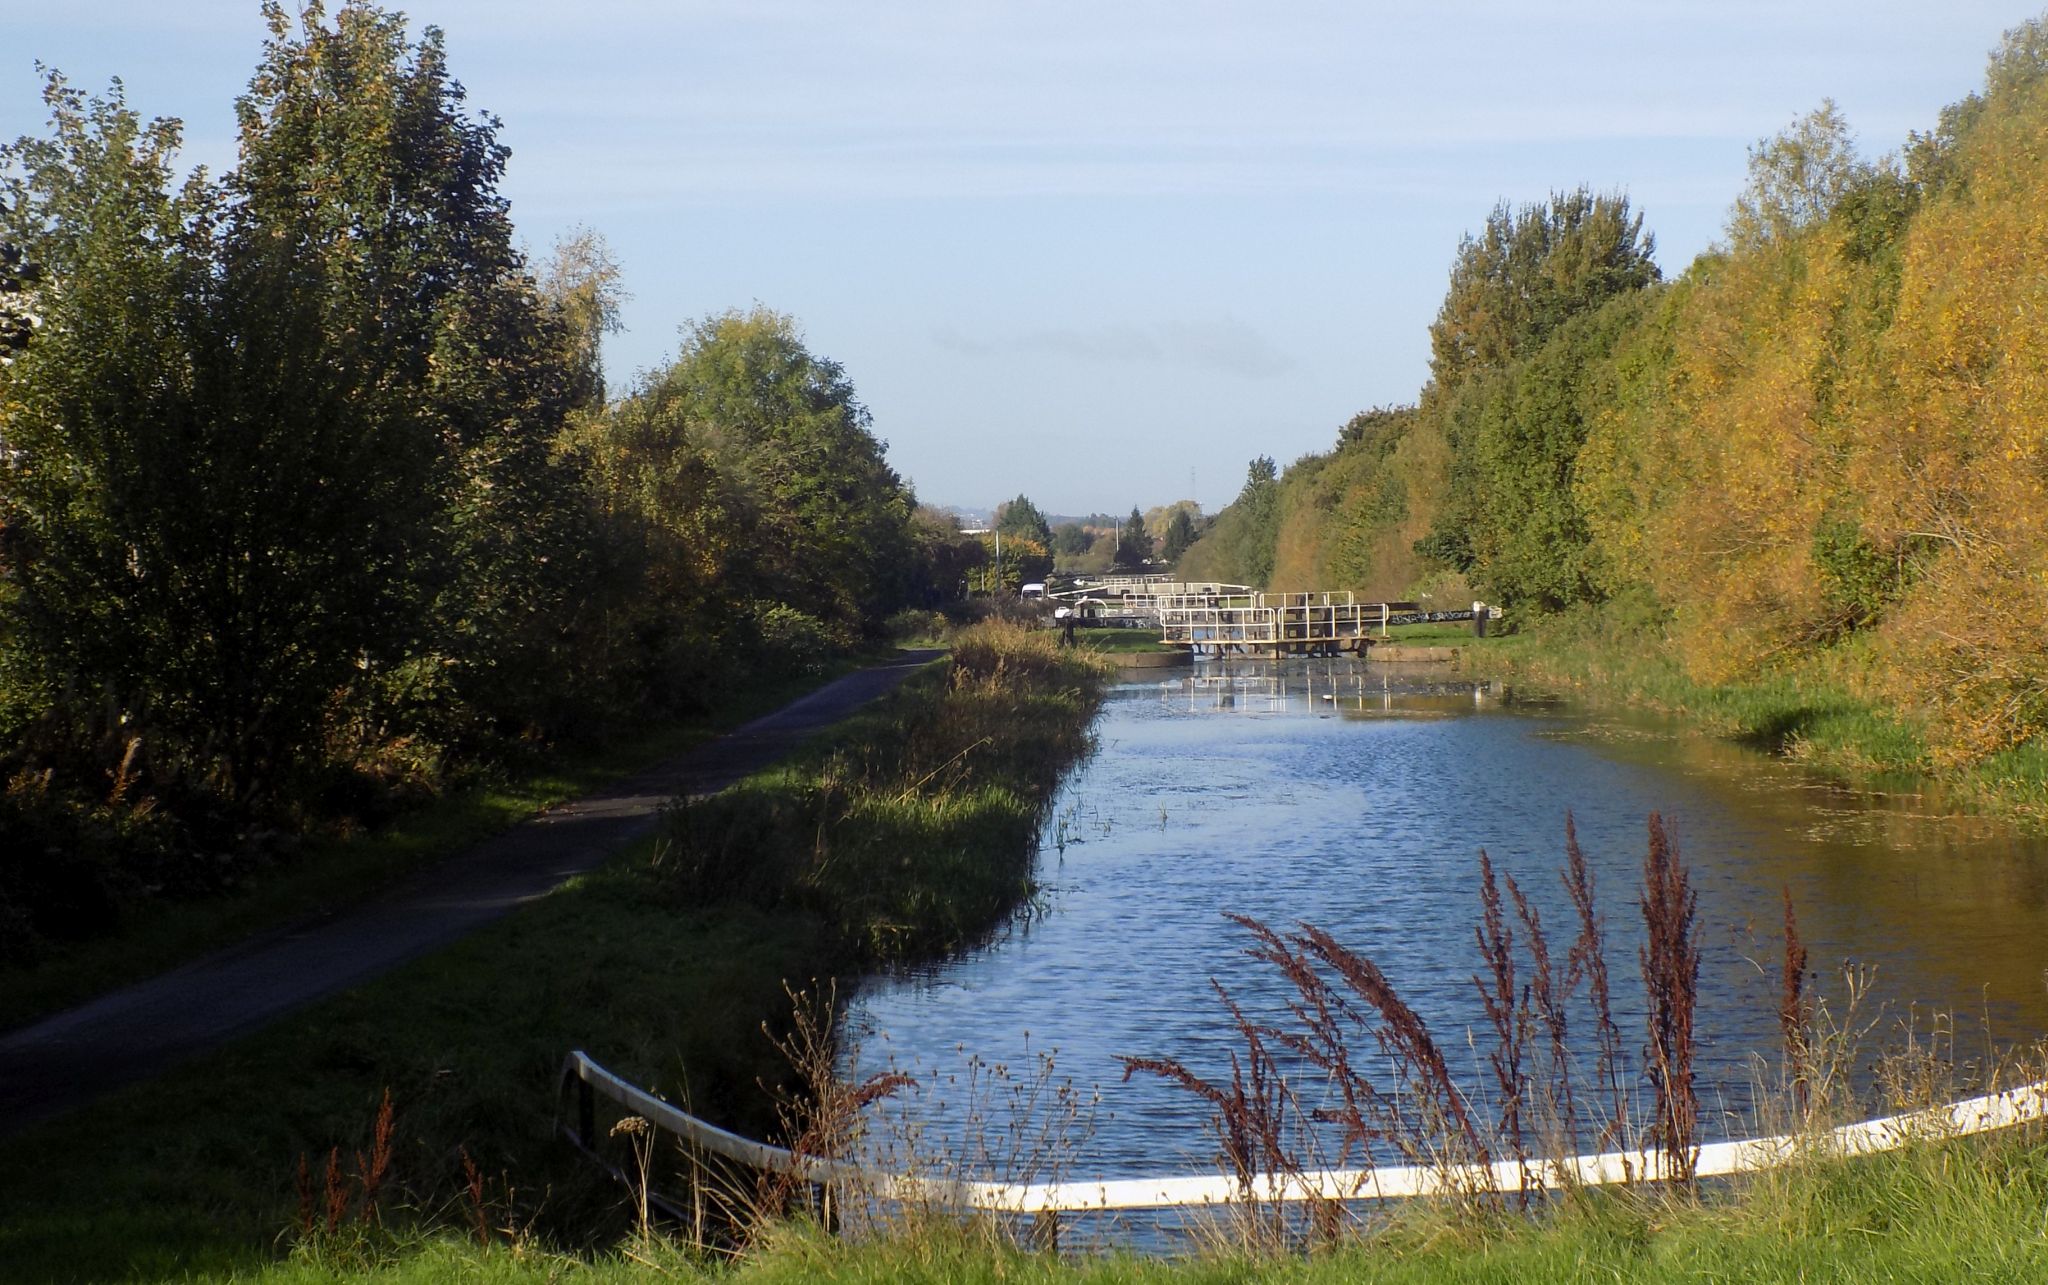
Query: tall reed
point(1402, 1096)
point(1671, 976)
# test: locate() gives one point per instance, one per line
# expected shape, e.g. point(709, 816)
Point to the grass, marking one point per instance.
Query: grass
point(1117, 642)
point(1443, 634)
point(671, 984)
point(1807, 711)
point(1938, 1212)
point(332, 872)
point(665, 965)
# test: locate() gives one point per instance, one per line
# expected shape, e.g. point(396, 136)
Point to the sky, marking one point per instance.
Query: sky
point(1099, 252)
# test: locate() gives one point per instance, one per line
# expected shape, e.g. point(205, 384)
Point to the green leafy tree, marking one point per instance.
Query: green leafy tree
point(210, 522)
point(1179, 537)
point(1134, 545)
point(581, 280)
point(1240, 546)
point(1021, 518)
point(945, 557)
point(18, 317)
point(1530, 270)
point(1797, 177)
point(1071, 540)
point(1377, 431)
point(1258, 532)
point(361, 161)
point(331, 487)
point(1530, 539)
point(1021, 561)
point(1524, 277)
point(816, 517)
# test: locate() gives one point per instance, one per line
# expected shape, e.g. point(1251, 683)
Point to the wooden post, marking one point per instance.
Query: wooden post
point(1479, 620)
point(1326, 1224)
point(1045, 1230)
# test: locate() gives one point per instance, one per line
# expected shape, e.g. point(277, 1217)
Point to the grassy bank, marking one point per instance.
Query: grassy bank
point(1937, 1210)
point(327, 872)
point(1807, 709)
point(654, 964)
point(1936, 1213)
point(1120, 641)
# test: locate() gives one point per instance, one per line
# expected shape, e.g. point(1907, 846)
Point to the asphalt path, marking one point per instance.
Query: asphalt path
point(65, 1061)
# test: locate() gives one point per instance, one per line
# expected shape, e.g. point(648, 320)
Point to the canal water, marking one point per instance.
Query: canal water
point(1356, 797)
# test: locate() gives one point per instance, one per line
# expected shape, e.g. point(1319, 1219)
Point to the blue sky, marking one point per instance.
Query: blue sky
point(1102, 253)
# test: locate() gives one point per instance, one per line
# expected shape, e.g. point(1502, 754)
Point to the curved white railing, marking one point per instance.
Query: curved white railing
point(1984, 1114)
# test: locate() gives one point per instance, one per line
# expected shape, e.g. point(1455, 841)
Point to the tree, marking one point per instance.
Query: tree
point(1530, 538)
point(1258, 506)
point(289, 438)
point(1797, 178)
point(1134, 546)
point(215, 500)
point(18, 316)
point(1180, 534)
point(1020, 518)
point(1240, 546)
point(1530, 270)
point(1519, 282)
point(362, 163)
point(1070, 540)
point(581, 281)
point(812, 514)
point(945, 556)
point(1378, 430)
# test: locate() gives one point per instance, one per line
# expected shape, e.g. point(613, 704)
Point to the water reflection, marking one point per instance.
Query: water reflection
point(1356, 796)
point(1326, 688)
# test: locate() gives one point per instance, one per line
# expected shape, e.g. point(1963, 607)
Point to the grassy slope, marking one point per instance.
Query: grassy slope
point(1119, 641)
point(195, 1173)
point(334, 872)
point(1808, 712)
point(1938, 1213)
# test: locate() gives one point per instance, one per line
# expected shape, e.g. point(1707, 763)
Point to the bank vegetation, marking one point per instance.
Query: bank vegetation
point(1813, 459)
point(315, 501)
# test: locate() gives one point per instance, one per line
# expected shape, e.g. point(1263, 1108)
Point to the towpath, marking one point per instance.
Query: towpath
point(71, 1058)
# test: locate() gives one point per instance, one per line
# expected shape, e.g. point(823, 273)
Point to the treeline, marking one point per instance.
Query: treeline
point(1146, 540)
point(311, 493)
point(1822, 445)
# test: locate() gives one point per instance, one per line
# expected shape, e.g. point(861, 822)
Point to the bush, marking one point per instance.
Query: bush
point(916, 625)
point(795, 642)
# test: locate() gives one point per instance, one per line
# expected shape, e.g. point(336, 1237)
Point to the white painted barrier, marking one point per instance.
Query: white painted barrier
point(1985, 1114)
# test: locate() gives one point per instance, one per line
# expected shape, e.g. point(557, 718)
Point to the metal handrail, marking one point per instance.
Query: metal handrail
point(1983, 1114)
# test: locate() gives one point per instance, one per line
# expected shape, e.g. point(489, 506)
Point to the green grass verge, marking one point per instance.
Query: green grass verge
point(1120, 641)
point(1445, 634)
point(1936, 1213)
point(331, 872)
point(1805, 711)
point(667, 980)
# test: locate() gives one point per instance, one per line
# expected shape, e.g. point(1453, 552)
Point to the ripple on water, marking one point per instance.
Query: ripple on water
point(1276, 806)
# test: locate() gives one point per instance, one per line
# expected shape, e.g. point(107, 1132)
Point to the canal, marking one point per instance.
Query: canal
point(1356, 797)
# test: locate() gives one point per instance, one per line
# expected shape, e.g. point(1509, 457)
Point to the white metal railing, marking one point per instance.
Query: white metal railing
point(1985, 1114)
point(1281, 622)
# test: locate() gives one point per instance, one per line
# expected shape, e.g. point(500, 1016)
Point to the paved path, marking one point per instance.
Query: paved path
point(69, 1059)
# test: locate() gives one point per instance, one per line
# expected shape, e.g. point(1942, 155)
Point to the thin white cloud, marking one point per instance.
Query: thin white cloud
point(1227, 346)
